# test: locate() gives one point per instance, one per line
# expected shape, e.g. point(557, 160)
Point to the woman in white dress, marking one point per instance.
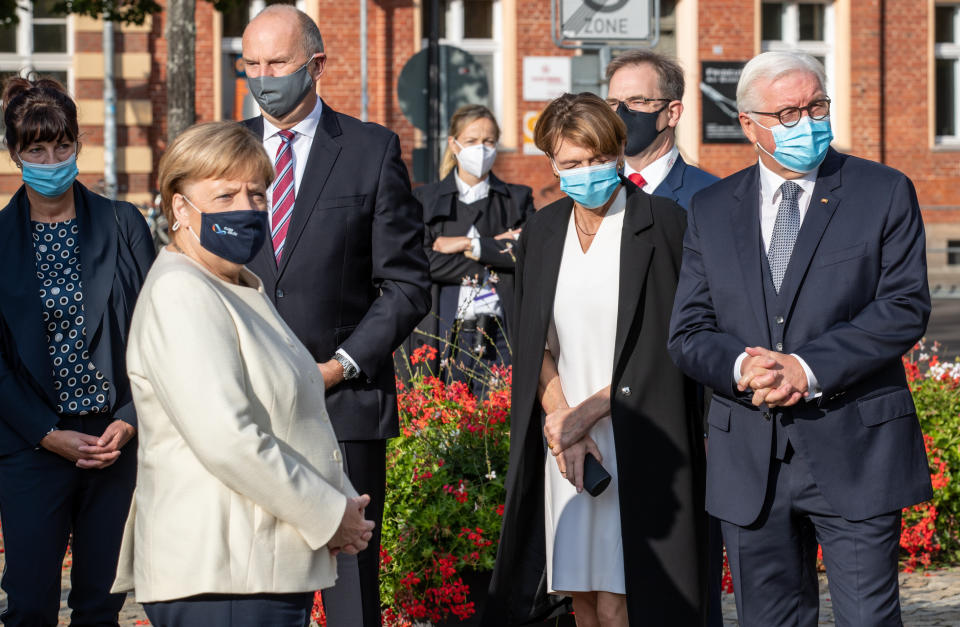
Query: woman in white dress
point(596, 276)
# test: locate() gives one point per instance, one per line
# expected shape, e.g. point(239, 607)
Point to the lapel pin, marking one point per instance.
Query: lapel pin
point(824, 200)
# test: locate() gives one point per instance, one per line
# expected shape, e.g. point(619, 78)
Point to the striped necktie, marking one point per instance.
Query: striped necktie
point(785, 230)
point(284, 193)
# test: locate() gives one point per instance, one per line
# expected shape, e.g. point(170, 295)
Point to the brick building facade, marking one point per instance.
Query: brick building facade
point(893, 68)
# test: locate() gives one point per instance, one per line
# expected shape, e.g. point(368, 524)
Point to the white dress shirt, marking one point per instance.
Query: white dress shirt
point(301, 143)
point(770, 184)
point(302, 140)
point(656, 172)
point(474, 300)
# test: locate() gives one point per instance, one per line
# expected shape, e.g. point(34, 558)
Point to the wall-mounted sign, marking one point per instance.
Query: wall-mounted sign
point(545, 78)
point(529, 123)
point(605, 20)
point(719, 117)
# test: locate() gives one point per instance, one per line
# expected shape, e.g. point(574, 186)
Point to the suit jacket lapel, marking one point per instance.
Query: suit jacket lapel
point(20, 295)
point(98, 255)
point(674, 180)
point(551, 254)
point(745, 222)
point(323, 154)
point(636, 252)
point(823, 203)
point(265, 258)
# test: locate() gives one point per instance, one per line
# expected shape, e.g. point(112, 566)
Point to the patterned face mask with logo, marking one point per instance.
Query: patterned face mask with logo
point(236, 236)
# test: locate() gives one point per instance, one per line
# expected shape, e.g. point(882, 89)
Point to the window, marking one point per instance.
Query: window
point(473, 26)
point(39, 44)
point(947, 67)
point(953, 252)
point(804, 26)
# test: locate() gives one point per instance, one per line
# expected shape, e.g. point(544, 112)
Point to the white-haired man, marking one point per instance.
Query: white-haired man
point(803, 282)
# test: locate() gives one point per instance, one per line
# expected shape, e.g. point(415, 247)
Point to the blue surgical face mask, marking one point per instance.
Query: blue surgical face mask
point(801, 148)
point(50, 179)
point(236, 236)
point(590, 186)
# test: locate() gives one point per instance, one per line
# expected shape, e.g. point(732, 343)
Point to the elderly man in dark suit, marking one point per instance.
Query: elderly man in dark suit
point(646, 89)
point(344, 265)
point(803, 282)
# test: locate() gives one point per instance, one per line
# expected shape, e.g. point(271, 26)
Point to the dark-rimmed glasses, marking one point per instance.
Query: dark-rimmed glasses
point(637, 103)
point(790, 116)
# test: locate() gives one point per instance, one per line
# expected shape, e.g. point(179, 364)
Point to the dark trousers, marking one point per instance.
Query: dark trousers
point(773, 561)
point(43, 499)
point(475, 347)
point(355, 599)
point(233, 610)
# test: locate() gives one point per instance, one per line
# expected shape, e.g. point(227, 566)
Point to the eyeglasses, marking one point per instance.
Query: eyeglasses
point(638, 103)
point(790, 116)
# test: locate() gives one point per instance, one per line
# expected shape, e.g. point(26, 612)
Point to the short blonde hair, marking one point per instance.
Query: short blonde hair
point(211, 150)
point(461, 118)
point(582, 119)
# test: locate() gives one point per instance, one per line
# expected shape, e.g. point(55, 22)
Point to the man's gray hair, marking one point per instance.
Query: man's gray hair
point(770, 66)
point(312, 41)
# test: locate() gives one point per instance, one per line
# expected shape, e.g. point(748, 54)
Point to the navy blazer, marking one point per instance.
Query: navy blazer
point(116, 251)
point(858, 300)
point(353, 274)
point(682, 182)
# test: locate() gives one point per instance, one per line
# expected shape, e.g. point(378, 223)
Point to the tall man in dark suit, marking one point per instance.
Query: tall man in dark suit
point(646, 90)
point(803, 282)
point(344, 266)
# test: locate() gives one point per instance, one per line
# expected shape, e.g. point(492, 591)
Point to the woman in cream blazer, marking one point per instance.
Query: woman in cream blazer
point(241, 494)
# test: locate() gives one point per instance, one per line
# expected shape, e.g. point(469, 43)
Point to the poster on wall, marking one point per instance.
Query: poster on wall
point(718, 86)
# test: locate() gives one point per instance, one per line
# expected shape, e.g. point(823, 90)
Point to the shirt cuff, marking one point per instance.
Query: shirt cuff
point(475, 247)
point(736, 367)
point(344, 354)
point(813, 386)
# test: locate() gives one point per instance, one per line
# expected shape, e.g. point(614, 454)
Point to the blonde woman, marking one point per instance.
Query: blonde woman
point(241, 500)
point(472, 219)
point(596, 276)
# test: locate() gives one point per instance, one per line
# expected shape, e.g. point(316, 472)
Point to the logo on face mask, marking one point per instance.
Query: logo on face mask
point(224, 230)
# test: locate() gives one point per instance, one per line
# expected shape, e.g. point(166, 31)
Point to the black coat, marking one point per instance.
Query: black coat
point(116, 251)
point(353, 274)
point(656, 426)
point(510, 206)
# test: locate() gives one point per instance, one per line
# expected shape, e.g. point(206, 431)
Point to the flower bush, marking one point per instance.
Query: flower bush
point(445, 494)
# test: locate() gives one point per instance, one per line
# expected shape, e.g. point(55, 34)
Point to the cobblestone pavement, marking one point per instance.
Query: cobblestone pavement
point(928, 600)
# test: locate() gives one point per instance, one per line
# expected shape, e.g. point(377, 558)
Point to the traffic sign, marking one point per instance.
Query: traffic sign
point(607, 21)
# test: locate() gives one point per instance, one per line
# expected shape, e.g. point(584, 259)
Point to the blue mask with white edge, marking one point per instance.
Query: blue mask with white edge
point(803, 147)
point(590, 186)
point(50, 179)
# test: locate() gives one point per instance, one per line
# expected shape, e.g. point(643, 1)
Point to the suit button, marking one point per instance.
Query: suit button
point(779, 319)
point(779, 346)
point(766, 415)
point(336, 455)
point(626, 391)
point(280, 293)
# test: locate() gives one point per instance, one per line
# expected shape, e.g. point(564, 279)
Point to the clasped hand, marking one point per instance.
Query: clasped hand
point(354, 532)
point(566, 433)
point(90, 451)
point(776, 379)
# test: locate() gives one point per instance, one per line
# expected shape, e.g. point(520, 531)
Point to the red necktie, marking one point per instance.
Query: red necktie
point(637, 179)
point(284, 193)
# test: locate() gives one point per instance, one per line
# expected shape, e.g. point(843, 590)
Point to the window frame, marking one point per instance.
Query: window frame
point(25, 60)
point(948, 51)
point(454, 25)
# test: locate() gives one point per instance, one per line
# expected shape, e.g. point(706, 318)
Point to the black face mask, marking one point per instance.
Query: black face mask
point(641, 128)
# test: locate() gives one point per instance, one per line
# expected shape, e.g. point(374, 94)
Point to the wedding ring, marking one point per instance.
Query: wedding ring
point(550, 445)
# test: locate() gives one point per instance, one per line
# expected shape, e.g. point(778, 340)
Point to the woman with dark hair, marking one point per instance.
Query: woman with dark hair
point(596, 276)
point(71, 265)
point(472, 220)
